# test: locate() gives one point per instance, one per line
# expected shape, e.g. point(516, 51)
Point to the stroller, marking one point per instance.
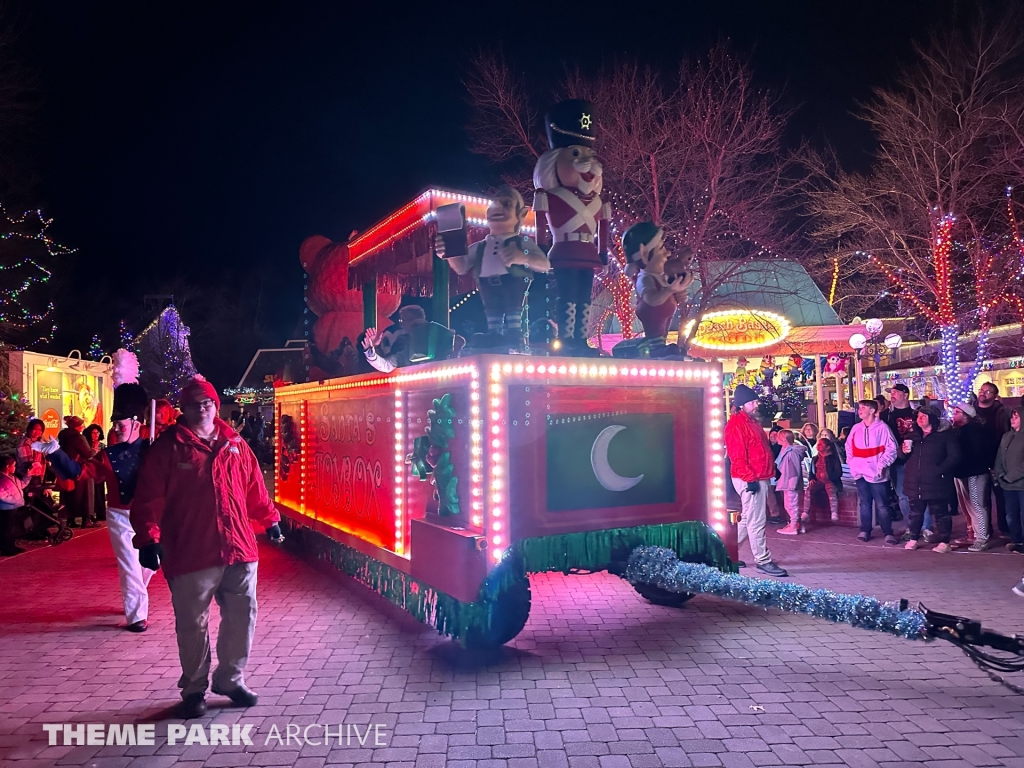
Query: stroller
point(42, 503)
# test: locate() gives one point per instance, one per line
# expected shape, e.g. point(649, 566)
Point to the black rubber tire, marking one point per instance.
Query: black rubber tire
point(659, 596)
point(63, 534)
point(508, 615)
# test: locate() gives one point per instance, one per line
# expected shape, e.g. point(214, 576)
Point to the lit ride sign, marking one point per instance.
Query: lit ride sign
point(736, 330)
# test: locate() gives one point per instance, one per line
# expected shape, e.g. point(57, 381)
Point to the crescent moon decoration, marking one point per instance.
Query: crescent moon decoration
point(608, 478)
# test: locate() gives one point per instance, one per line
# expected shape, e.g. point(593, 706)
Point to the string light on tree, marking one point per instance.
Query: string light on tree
point(164, 355)
point(127, 340)
point(27, 257)
point(96, 348)
point(14, 415)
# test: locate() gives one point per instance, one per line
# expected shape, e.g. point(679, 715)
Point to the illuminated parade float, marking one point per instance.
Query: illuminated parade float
point(443, 484)
point(446, 477)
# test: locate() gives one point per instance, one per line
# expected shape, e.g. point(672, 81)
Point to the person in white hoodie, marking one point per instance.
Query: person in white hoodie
point(870, 451)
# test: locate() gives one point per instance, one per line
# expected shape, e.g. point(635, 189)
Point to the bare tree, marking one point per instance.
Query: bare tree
point(698, 153)
point(929, 217)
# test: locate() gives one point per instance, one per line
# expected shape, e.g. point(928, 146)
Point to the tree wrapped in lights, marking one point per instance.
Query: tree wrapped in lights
point(96, 348)
point(698, 152)
point(127, 339)
point(165, 359)
point(28, 256)
point(928, 217)
point(15, 410)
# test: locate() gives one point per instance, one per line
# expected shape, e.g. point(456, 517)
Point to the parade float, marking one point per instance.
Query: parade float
point(444, 483)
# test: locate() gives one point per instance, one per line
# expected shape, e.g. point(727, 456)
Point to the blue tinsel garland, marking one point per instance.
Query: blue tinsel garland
point(661, 568)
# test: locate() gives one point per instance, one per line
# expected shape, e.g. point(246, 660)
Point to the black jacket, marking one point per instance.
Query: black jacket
point(978, 449)
point(902, 423)
point(930, 465)
point(833, 467)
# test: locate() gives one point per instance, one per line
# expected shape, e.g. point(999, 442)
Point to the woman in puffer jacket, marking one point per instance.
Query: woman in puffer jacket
point(928, 478)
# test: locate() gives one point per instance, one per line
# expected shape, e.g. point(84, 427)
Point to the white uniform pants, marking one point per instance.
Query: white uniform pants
point(753, 519)
point(134, 578)
point(234, 589)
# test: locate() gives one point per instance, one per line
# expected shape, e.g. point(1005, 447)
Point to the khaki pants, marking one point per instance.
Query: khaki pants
point(234, 589)
point(753, 519)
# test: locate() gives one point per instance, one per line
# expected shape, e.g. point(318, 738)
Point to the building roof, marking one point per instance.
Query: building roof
point(777, 285)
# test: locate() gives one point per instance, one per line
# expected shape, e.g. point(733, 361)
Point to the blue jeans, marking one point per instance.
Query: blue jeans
point(896, 472)
point(879, 494)
point(1014, 507)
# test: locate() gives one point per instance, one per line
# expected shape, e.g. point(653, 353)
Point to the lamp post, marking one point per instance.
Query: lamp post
point(875, 345)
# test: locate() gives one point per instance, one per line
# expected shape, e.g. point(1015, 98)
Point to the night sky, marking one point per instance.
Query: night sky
point(191, 147)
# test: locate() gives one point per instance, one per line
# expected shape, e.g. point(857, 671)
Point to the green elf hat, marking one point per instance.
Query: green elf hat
point(636, 238)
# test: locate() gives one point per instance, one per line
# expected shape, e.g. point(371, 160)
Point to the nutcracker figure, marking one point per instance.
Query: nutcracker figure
point(568, 185)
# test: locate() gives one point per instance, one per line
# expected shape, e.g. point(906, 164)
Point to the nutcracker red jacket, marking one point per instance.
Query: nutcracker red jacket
point(750, 453)
point(197, 500)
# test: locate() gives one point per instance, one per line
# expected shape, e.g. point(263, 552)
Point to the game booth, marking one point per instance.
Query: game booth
point(443, 484)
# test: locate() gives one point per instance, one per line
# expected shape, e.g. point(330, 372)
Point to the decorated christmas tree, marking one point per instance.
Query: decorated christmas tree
point(791, 402)
point(96, 348)
point(14, 414)
point(164, 355)
point(27, 259)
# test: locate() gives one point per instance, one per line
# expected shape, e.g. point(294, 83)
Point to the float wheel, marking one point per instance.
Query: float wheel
point(659, 596)
point(506, 616)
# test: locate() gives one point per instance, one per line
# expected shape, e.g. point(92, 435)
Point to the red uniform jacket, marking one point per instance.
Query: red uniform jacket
point(750, 453)
point(197, 499)
point(575, 214)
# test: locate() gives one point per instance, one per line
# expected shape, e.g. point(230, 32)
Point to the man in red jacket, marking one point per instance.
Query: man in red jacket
point(752, 466)
point(197, 491)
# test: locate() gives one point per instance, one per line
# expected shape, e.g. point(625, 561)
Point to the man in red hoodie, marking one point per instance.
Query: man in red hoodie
point(197, 491)
point(751, 466)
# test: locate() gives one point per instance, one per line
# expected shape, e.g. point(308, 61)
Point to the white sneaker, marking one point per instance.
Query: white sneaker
point(790, 530)
point(942, 548)
point(1018, 589)
point(912, 544)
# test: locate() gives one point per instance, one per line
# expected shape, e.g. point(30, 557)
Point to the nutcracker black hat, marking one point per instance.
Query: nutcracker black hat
point(570, 123)
point(130, 401)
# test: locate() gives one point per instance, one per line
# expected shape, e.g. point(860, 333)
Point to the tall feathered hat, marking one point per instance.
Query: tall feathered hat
point(130, 399)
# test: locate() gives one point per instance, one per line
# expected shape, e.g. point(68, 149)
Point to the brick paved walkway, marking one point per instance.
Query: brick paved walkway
point(598, 678)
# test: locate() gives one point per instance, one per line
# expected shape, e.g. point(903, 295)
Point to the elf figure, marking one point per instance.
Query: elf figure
point(658, 292)
point(503, 265)
point(568, 180)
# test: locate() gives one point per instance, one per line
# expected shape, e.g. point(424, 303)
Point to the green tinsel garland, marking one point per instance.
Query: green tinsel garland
point(595, 550)
point(588, 550)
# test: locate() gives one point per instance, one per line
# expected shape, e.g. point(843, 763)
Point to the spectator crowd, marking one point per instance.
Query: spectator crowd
point(906, 464)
